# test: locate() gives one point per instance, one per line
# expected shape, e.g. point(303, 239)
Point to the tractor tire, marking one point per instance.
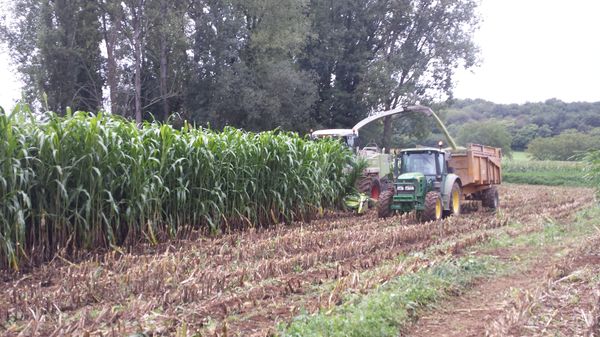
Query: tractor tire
point(384, 204)
point(455, 201)
point(371, 187)
point(433, 208)
point(364, 185)
point(385, 184)
point(490, 199)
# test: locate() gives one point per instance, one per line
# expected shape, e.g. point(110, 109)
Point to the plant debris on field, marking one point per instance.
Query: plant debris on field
point(248, 281)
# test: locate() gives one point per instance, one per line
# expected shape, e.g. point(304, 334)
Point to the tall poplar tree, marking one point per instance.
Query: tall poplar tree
point(57, 46)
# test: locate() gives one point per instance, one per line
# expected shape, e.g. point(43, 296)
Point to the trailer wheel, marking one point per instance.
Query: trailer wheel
point(490, 199)
point(455, 201)
point(384, 204)
point(433, 208)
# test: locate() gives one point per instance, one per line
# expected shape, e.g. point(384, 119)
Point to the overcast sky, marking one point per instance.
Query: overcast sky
point(531, 50)
point(9, 86)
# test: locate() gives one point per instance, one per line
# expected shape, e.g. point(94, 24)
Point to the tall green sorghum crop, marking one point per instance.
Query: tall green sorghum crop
point(86, 181)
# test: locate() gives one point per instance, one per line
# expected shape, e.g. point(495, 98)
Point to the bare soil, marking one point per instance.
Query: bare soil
point(470, 314)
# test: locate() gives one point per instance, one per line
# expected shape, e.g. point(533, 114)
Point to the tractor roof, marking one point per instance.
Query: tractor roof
point(423, 149)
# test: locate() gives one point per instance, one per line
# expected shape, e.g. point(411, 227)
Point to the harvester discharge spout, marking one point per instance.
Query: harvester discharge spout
point(428, 112)
point(413, 108)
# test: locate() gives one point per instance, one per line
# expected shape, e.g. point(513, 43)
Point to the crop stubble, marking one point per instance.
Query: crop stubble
point(249, 279)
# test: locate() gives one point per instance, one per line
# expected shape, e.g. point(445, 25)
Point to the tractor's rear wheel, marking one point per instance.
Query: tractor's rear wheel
point(455, 201)
point(490, 199)
point(433, 208)
point(384, 205)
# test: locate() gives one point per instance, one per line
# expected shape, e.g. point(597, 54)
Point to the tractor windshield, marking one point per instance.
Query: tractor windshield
point(423, 162)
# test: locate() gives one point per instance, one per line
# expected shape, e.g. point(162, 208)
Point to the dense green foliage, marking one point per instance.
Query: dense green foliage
point(88, 181)
point(68, 47)
point(490, 133)
point(522, 169)
point(543, 119)
point(550, 130)
point(569, 145)
point(255, 64)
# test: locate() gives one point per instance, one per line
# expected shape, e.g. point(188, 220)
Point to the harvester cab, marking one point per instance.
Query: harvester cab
point(372, 180)
point(375, 177)
point(347, 136)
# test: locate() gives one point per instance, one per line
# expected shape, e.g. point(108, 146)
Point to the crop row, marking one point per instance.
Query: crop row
point(82, 181)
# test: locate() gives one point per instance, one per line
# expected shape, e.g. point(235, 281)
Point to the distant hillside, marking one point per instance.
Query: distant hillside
point(560, 129)
point(553, 120)
point(554, 114)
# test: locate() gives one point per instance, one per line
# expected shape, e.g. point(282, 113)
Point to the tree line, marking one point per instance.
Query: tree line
point(254, 64)
point(550, 130)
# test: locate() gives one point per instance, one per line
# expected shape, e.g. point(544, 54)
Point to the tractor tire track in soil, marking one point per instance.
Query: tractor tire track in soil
point(566, 301)
point(471, 314)
point(526, 302)
point(250, 279)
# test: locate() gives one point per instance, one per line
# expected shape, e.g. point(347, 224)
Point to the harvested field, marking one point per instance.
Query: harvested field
point(246, 282)
point(566, 302)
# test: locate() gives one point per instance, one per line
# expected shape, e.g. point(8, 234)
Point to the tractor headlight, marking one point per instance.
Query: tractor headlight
point(400, 188)
point(409, 188)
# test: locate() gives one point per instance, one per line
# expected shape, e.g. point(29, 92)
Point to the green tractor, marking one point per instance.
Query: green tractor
point(435, 182)
point(431, 181)
point(423, 184)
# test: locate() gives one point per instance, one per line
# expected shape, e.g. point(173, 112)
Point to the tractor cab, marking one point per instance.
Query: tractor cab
point(421, 169)
point(430, 162)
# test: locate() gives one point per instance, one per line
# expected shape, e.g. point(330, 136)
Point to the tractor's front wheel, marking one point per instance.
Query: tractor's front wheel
point(433, 208)
point(455, 201)
point(384, 205)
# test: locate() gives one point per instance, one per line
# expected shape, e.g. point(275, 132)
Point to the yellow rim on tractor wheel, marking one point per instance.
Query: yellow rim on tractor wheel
point(455, 202)
point(438, 209)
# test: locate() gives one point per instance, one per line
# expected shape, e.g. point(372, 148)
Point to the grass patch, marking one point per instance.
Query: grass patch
point(552, 173)
point(384, 311)
point(552, 232)
point(518, 156)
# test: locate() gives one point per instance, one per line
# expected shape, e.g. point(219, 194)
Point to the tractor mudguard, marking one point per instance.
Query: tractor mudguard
point(446, 189)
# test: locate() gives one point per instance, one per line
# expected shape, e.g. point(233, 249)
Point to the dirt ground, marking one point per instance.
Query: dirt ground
point(552, 295)
point(472, 313)
point(243, 284)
